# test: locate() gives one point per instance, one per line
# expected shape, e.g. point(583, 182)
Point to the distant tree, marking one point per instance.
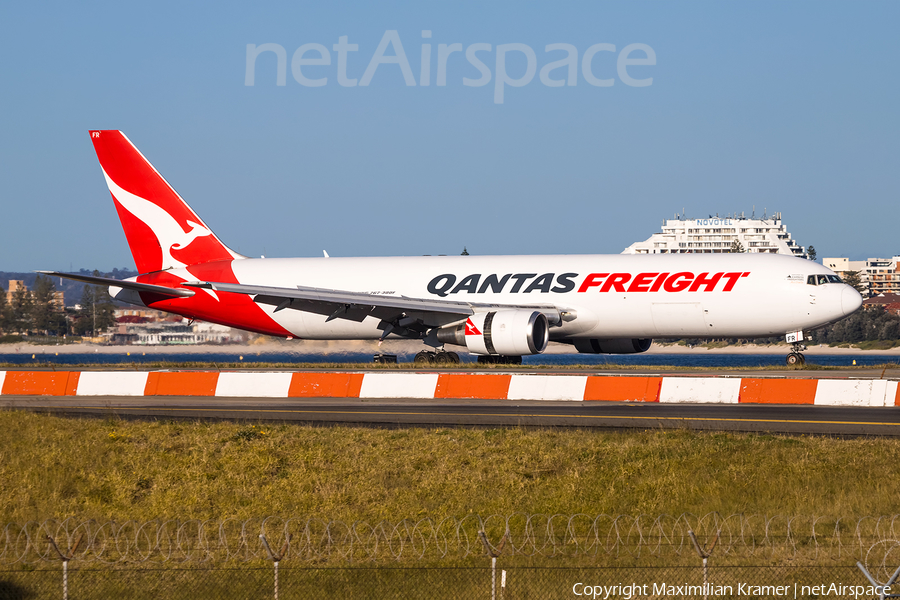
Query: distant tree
point(736, 247)
point(4, 311)
point(854, 279)
point(811, 253)
point(891, 330)
point(20, 311)
point(84, 320)
point(41, 303)
point(873, 323)
point(96, 312)
point(852, 329)
point(45, 315)
point(464, 252)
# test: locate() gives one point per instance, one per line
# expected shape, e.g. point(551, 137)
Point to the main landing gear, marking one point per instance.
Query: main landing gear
point(441, 357)
point(499, 360)
point(795, 358)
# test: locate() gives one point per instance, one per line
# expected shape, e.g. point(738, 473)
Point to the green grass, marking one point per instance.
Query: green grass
point(86, 468)
point(878, 344)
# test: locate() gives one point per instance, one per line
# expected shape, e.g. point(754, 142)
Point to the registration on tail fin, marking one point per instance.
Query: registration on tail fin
point(162, 230)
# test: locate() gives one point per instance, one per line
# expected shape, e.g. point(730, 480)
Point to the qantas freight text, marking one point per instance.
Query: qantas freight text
point(446, 284)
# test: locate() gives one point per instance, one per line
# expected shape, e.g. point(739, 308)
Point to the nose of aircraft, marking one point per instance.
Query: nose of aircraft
point(850, 300)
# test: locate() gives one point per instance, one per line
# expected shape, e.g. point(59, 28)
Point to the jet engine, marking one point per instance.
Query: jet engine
point(612, 346)
point(504, 332)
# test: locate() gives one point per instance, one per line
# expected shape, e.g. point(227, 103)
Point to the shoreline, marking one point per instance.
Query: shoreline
point(394, 347)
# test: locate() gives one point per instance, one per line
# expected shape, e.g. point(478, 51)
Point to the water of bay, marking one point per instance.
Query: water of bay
point(246, 356)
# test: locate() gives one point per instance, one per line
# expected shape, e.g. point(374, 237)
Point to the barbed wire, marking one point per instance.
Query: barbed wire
point(528, 535)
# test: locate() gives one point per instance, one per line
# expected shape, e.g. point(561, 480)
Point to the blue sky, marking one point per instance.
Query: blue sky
point(789, 107)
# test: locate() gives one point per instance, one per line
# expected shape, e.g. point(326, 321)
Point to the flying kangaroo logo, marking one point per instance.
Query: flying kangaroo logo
point(168, 232)
point(471, 329)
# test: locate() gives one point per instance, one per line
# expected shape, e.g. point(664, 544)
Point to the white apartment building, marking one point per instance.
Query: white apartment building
point(717, 234)
point(879, 275)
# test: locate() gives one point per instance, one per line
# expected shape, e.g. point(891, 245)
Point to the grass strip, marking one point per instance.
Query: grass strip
point(115, 469)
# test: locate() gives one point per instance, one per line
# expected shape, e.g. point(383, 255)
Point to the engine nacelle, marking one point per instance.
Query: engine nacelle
point(504, 332)
point(614, 346)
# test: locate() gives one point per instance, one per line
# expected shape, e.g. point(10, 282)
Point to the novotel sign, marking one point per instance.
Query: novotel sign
point(713, 222)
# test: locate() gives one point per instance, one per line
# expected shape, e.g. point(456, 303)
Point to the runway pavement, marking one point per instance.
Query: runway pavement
point(793, 419)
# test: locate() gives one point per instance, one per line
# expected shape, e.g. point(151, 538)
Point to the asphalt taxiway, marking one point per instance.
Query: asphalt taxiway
point(790, 419)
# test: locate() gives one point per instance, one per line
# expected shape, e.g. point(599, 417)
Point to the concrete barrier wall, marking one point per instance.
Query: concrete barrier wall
point(486, 386)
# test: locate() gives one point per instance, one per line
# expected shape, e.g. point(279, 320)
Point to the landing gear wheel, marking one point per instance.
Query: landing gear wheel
point(446, 358)
point(509, 360)
point(795, 359)
point(499, 360)
point(424, 357)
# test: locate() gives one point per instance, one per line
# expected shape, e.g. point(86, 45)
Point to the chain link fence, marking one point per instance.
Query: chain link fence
point(437, 583)
point(497, 557)
point(740, 539)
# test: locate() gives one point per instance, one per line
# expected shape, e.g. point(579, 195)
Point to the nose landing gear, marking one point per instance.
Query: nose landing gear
point(795, 357)
point(795, 339)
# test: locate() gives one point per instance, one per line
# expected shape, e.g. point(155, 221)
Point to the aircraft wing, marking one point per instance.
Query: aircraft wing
point(356, 306)
point(127, 285)
point(338, 304)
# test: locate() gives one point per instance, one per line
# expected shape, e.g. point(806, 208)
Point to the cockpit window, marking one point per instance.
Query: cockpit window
point(822, 279)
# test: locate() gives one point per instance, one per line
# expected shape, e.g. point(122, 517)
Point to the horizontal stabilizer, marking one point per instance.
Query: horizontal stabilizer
point(127, 285)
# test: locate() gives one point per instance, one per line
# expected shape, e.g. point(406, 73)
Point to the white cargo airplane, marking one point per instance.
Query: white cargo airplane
point(497, 307)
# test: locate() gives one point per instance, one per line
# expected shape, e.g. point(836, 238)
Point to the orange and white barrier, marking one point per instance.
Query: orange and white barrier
point(857, 392)
point(398, 385)
point(715, 390)
point(253, 385)
point(484, 386)
point(112, 383)
point(547, 387)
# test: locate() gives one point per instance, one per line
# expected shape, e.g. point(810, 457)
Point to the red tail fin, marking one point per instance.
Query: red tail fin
point(162, 230)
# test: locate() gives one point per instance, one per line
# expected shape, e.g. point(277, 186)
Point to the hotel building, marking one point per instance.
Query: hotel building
point(718, 234)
